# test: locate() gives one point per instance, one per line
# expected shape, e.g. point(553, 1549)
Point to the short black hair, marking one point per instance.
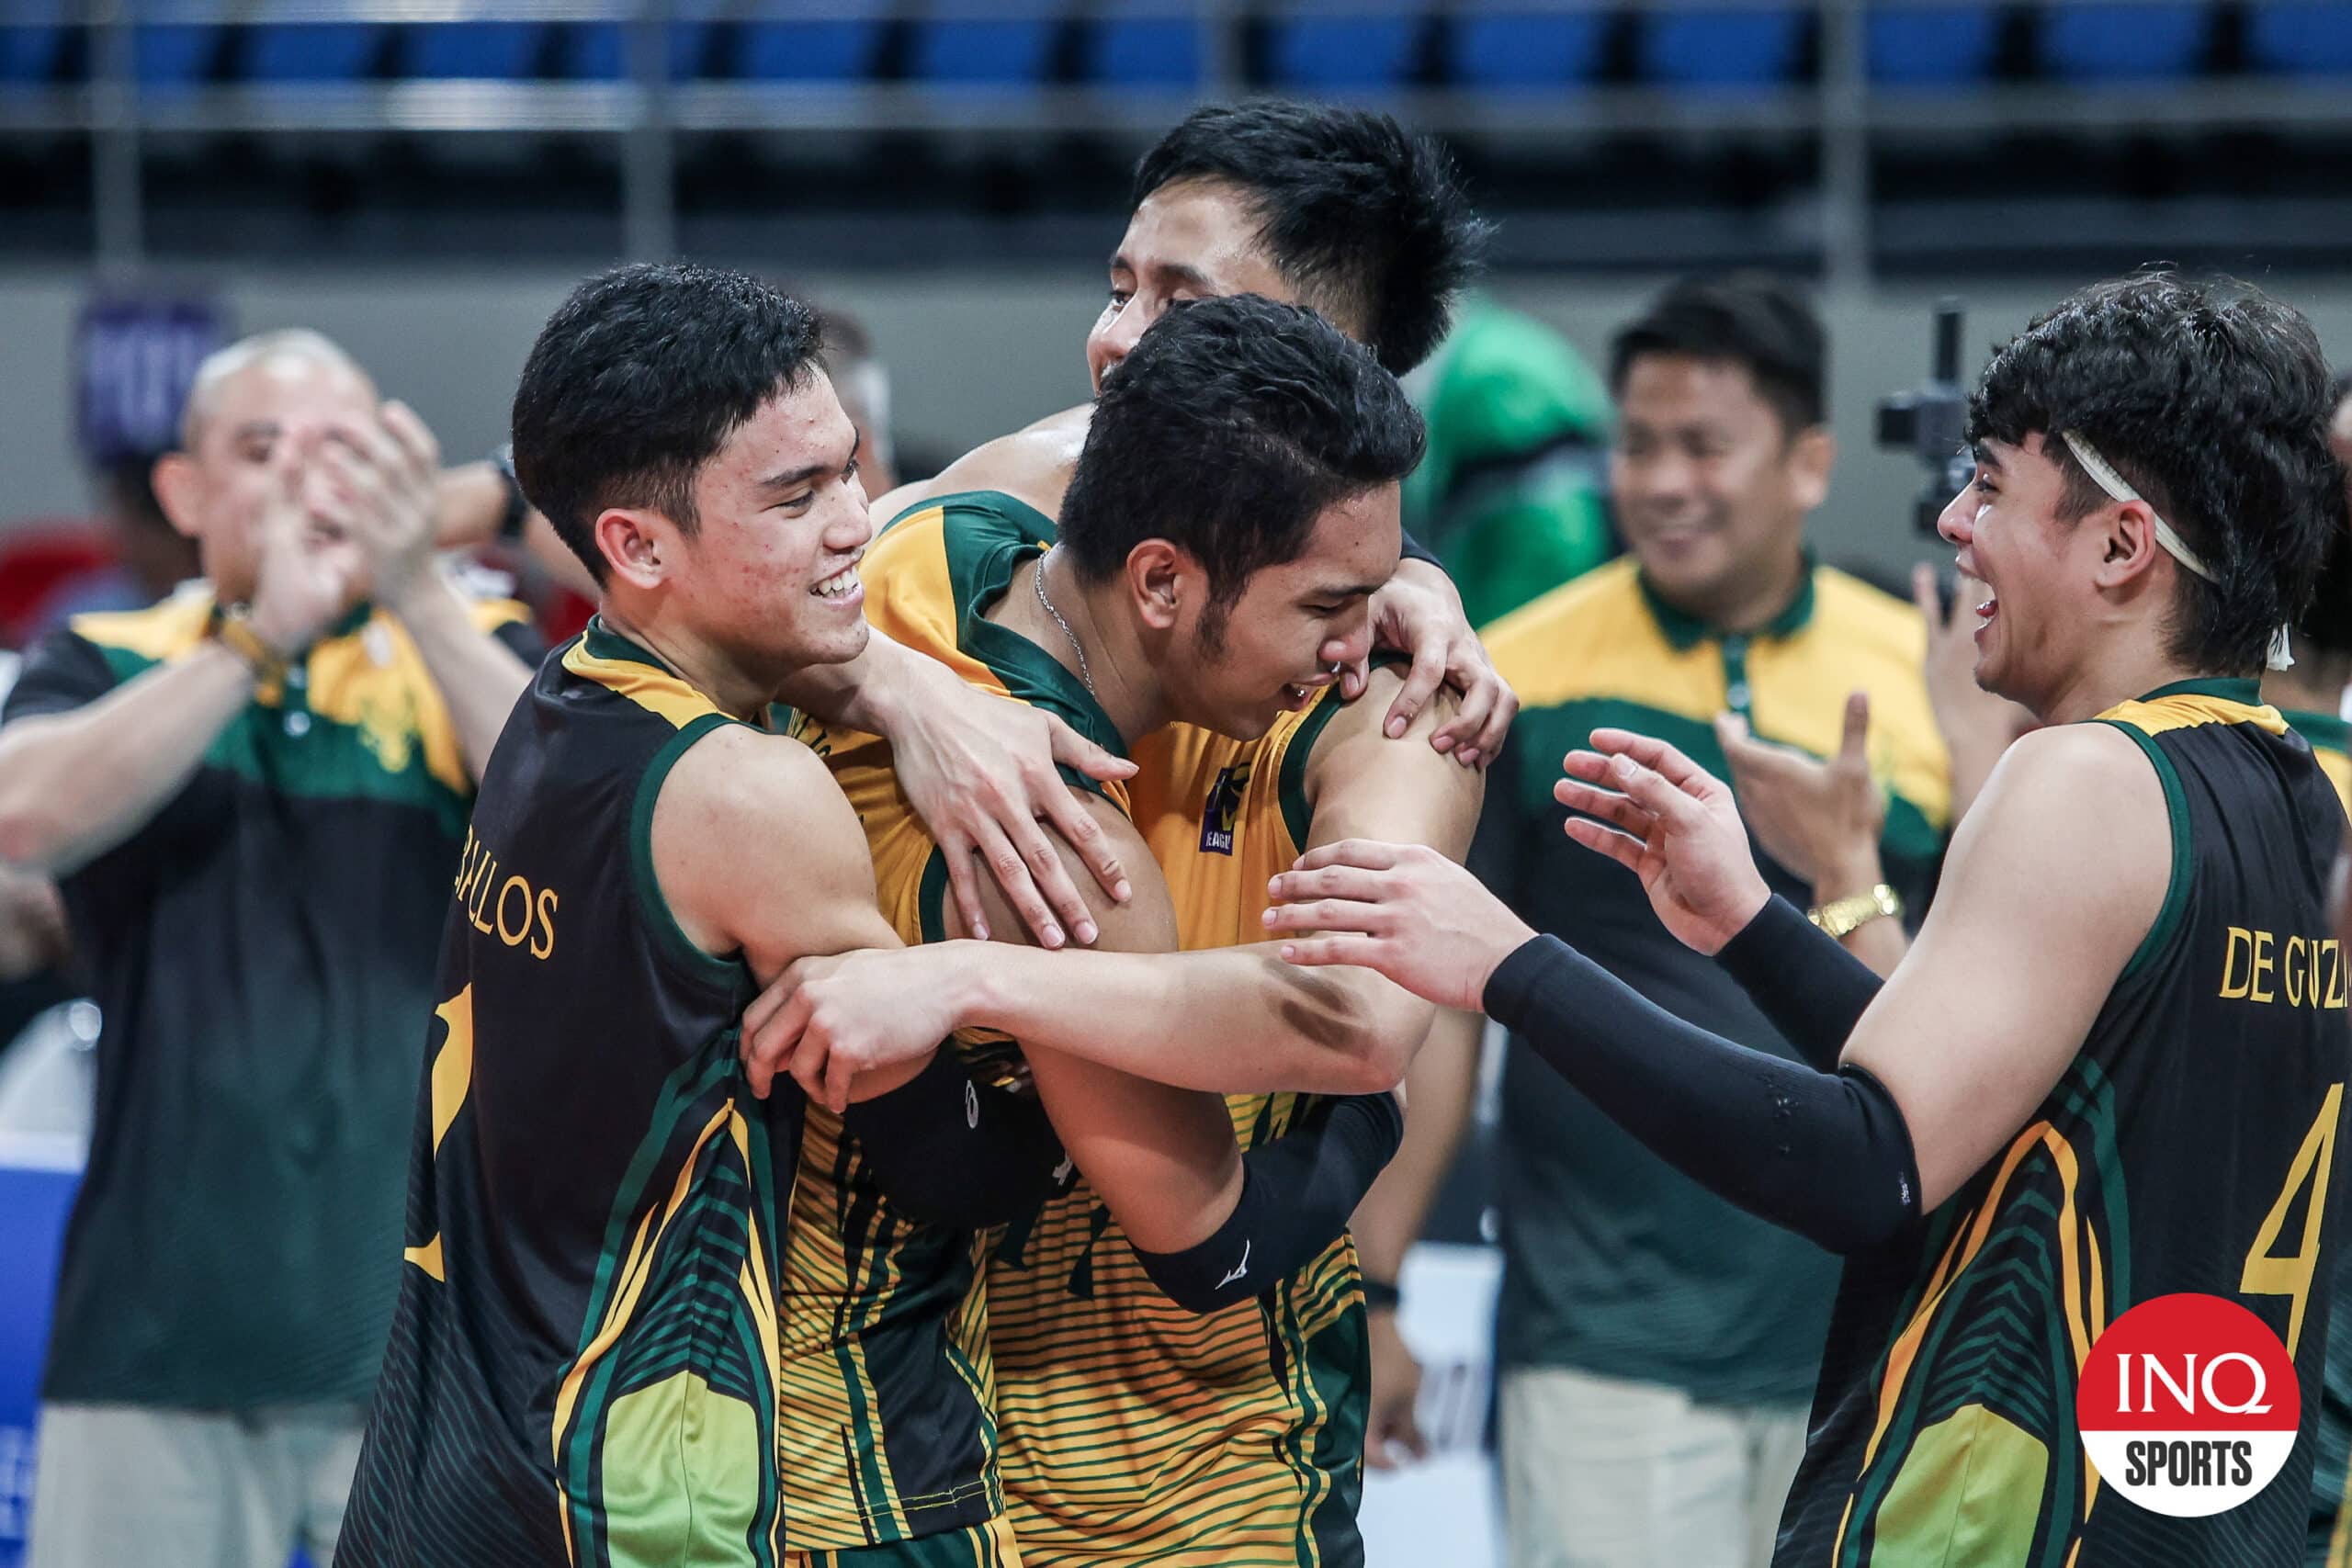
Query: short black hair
point(638, 379)
point(1367, 221)
point(1750, 318)
point(2212, 401)
point(1228, 430)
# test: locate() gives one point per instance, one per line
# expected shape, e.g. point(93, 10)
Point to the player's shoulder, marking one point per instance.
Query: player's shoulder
point(1033, 464)
point(1600, 606)
point(1867, 619)
point(739, 777)
point(2067, 777)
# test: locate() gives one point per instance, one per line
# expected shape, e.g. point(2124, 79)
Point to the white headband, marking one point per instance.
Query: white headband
point(2103, 473)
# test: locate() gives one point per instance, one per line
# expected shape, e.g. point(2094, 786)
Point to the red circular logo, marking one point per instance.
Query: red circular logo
point(2188, 1404)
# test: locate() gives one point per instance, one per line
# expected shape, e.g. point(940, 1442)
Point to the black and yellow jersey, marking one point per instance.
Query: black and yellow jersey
point(1613, 1262)
point(1133, 1430)
point(2331, 1529)
point(588, 1360)
point(2328, 735)
point(616, 1345)
point(928, 582)
point(2199, 1119)
point(261, 951)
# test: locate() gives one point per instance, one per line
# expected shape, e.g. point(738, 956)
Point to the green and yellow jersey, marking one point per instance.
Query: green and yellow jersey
point(929, 582)
point(2331, 1527)
point(1136, 1431)
point(2200, 1113)
point(1614, 1263)
point(640, 1326)
point(262, 949)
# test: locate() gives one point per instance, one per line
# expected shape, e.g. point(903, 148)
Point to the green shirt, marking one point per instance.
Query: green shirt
point(1613, 1262)
point(263, 952)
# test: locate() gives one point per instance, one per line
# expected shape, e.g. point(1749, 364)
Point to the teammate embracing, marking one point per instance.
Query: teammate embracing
point(2078, 1092)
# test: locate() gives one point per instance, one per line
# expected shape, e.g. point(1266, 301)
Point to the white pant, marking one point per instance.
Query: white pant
point(1601, 1472)
point(115, 1485)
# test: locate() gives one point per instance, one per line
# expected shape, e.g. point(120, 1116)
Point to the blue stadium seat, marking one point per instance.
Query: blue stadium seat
point(2301, 38)
point(492, 52)
point(32, 42)
point(598, 51)
point(2124, 42)
point(1509, 50)
point(300, 51)
point(1334, 51)
point(1918, 45)
point(839, 48)
point(176, 55)
point(1143, 43)
point(955, 45)
point(1745, 47)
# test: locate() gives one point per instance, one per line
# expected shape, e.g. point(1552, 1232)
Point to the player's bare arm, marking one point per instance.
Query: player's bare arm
point(2037, 892)
point(757, 854)
point(2054, 880)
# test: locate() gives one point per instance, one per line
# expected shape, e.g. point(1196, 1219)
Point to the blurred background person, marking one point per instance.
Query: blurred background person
point(252, 797)
point(1656, 1347)
point(1513, 496)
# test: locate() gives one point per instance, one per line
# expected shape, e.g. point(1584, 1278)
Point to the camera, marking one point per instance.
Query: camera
point(1930, 421)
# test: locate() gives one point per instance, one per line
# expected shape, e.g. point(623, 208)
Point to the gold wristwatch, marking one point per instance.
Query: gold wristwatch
point(234, 626)
point(1840, 917)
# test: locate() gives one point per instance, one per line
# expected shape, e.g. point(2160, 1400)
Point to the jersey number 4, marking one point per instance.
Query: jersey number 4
point(2291, 1276)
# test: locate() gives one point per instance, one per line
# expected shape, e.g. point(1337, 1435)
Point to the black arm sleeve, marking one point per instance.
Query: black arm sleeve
point(1824, 1155)
point(1801, 979)
point(1413, 550)
point(1297, 1192)
point(950, 1152)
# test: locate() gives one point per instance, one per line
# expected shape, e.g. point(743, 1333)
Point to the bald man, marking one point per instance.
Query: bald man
point(252, 797)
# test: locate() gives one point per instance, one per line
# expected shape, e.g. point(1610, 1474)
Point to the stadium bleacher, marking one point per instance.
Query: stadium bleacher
point(1301, 44)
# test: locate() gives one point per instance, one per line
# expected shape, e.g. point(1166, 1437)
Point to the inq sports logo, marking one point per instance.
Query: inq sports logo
point(2188, 1404)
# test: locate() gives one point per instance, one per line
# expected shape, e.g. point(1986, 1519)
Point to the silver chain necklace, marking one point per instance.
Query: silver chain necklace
point(1084, 675)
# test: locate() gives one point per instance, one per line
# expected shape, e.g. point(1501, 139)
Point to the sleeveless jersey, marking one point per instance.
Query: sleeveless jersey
point(929, 580)
point(1134, 1432)
point(586, 1361)
point(2331, 1528)
point(2198, 1116)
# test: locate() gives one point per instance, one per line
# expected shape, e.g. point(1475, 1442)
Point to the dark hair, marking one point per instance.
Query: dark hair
point(1750, 319)
point(638, 379)
point(2326, 626)
point(2212, 401)
point(1367, 221)
point(1228, 430)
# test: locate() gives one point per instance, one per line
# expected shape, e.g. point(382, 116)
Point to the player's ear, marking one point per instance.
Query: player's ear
point(639, 546)
point(176, 481)
point(1811, 457)
point(2126, 540)
point(1156, 573)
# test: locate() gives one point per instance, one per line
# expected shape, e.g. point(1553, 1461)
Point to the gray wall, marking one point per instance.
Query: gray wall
point(972, 356)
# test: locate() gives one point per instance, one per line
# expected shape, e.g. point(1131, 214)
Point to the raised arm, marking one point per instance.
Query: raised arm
point(386, 475)
point(86, 767)
point(2052, 883)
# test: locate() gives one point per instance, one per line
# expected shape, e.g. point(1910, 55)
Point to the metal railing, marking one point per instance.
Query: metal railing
point(1841, 107)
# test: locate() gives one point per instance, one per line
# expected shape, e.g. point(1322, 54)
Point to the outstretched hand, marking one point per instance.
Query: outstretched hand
point(1671, 823)
point(1402, 909)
